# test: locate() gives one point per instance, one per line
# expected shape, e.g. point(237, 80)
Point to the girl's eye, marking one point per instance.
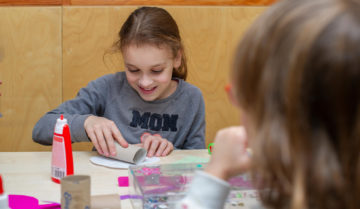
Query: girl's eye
point(133, 70)
point(157, 71)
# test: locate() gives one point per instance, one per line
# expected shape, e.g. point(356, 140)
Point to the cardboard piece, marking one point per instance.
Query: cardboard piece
point(131, 154)
point(75, 192)
point(110, 201)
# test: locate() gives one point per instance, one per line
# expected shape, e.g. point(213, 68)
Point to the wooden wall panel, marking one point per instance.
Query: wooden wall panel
point(30, 2)
point(30, 68)
point(88, 34)
point(210, 35)
point(174, 2)
point(137, 2)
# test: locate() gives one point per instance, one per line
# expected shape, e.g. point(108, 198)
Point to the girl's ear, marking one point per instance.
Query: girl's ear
point(177, 60)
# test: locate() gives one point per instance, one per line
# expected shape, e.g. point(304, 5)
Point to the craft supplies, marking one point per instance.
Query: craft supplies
point(62, 159)
point(4, 201)
point(162, 186)
point(75, 192)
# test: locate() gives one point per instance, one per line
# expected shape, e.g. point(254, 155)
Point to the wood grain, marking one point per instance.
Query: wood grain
point(175, 2)
point(66, 2)
point(29, 2)
point(138, 2)
point(30, 63)
point(210, 36)
point(88, 34)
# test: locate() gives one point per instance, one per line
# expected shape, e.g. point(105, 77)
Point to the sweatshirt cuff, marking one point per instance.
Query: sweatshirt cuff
point(209, 190)
point(78, 133)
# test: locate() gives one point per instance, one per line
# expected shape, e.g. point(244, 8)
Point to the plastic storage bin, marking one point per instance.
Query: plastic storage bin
point(162, 186)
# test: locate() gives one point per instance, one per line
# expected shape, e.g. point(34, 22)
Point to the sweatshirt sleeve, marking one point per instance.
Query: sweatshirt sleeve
point(212, 195)
point(89, 101)
point(196, 136)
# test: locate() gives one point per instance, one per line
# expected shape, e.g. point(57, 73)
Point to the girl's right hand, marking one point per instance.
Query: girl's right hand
point(155, 145)
point(102, 133)
point(229, 157)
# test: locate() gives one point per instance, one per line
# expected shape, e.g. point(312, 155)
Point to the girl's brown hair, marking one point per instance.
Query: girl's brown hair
point(297, 75)
point(153, 25)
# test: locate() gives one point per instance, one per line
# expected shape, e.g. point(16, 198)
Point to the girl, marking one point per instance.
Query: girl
point(297, 79)
point(149, 104)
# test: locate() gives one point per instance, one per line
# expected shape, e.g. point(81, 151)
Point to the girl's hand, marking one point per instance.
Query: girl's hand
point(102, 133)
point(229, 157)
point(156, 145)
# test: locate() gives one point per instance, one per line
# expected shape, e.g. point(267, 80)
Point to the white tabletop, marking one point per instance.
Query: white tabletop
point(28, 173)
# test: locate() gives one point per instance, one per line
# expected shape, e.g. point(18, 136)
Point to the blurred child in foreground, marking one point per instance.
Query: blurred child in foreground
point(296, 79)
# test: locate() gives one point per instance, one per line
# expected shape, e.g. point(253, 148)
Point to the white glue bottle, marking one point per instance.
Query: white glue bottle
point(62, 159)
point(4, 201)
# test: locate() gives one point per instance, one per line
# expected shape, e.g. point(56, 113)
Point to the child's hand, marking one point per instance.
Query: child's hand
point(229, 157)
point(156, 145)
point(102, 133)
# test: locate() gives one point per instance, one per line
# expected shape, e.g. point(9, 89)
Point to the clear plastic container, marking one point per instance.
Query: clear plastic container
point(162, 186)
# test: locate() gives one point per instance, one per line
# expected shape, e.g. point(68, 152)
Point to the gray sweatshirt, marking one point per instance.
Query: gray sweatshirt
point(179, 118)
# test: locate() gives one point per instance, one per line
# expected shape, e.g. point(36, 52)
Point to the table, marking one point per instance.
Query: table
point(29, 173)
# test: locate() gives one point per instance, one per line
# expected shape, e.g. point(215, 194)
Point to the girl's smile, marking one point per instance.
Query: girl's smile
point(149, 70)
point(147, 91)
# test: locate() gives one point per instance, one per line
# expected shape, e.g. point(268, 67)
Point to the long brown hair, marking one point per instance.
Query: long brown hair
point(153, 25)
point(297, 75)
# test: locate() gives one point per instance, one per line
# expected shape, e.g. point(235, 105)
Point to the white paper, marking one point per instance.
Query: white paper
point(112, 163)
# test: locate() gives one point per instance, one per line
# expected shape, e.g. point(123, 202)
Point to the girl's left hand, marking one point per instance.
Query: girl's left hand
point(229, 157)
point(156, 145)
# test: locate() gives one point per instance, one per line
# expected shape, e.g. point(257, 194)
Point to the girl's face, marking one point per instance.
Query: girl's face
point(149, 70)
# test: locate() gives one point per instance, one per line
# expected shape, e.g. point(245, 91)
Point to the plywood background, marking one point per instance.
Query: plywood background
point(137, 2)
point(30, 69)
point(173, 2)
point(54, 71)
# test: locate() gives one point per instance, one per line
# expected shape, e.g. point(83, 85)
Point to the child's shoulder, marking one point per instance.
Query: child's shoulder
point(108, 79)
point(118, 76)
point(190, 89)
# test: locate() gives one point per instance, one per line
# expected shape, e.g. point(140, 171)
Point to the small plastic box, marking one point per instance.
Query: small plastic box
point(162, 186)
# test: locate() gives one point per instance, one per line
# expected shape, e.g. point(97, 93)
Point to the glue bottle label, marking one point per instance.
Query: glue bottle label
point(62, 160)
point(58, 168)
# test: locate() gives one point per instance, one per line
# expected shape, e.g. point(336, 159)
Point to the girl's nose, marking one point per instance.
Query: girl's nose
point(145, 81)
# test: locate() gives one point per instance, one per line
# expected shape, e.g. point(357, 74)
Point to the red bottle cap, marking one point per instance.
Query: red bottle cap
point(1, 186)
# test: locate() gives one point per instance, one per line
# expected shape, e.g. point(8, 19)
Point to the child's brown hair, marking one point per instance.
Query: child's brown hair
point(153, 25)
point(297, 75)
